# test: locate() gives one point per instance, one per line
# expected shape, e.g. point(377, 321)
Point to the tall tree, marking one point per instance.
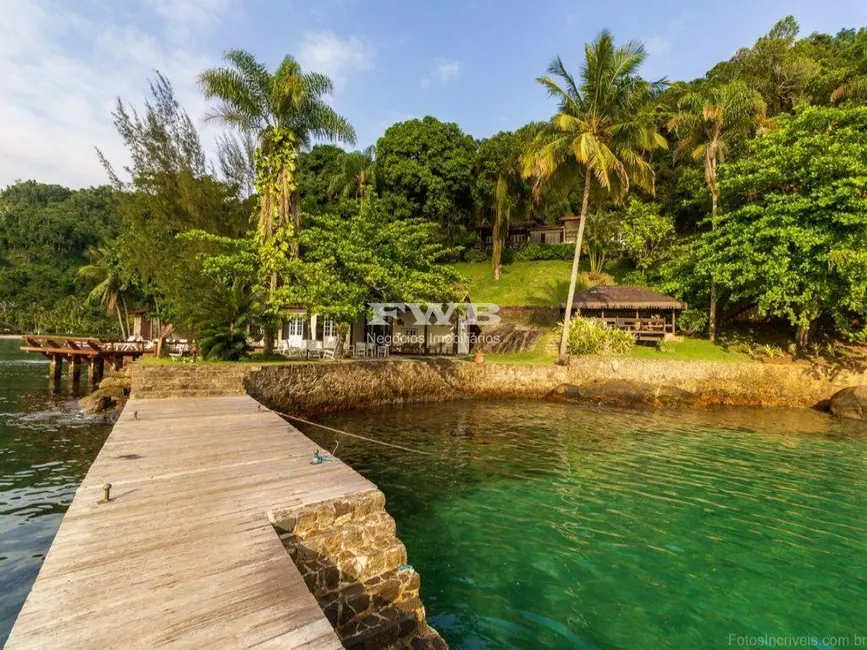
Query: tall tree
point(709, 118)
point(794, 239)
point(775, 67)
point(498, 188)
point(170, 191)
point(425, 168)
point(601, 133)
point(285, 110)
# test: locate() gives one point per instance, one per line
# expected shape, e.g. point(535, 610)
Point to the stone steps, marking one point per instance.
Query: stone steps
point(351, 559)
point(189, 380)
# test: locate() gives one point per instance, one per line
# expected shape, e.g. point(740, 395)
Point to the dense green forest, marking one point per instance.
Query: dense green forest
point(742, 192)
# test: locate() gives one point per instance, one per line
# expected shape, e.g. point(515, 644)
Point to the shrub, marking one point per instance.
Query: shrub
point(588, 336)
point(477, 255)
point(543, 252)
point(692, 321)
point(226, 316)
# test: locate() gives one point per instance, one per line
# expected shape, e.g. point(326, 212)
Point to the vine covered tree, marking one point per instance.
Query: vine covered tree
point(285, 110)
point(601, 134)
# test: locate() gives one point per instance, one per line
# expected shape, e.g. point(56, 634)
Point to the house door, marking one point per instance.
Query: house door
point(294, 332)
point(329, 332)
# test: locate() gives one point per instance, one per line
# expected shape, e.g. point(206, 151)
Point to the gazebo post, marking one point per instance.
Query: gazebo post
point(673, 321)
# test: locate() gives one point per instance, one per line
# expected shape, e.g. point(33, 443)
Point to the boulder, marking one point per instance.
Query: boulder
point(96, 402)
point(121, 382)
point(113, 391)
point(850, 403)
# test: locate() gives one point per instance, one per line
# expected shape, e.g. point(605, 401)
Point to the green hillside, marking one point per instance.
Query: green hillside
point(527, 284)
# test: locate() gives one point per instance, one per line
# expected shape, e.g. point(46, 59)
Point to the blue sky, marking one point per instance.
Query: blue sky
point(472, 62)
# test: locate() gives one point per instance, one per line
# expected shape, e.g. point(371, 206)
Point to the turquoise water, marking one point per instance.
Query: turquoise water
point(46, 448)
point(544, 525)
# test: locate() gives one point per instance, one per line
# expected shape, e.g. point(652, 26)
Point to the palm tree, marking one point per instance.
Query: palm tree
point(105, 270)
point(357, 175)
point(284, 110)
point(708, 118)
point(855, 88)
point(602, 130)
point(502, 212)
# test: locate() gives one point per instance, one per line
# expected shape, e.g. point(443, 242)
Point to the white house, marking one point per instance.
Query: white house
point(401, 334)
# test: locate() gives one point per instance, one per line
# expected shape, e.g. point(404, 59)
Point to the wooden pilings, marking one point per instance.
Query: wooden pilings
point(56, 368)
point(75, 369)
point(95, 369)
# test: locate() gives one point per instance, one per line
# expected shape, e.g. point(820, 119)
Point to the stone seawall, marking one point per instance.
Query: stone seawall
point(353, 563)
point(302, 388)
point(326, 387)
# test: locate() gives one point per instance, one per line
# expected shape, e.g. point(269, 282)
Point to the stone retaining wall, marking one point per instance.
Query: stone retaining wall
point(355, 566)
point(158, 381)
point(302, 388)
point(326, 387)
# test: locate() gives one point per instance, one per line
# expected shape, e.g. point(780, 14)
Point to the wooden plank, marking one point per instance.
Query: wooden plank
point(63, 351)
point(184, 554)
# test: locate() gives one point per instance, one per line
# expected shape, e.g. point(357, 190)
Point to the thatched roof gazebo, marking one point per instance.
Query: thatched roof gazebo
point(648, 313)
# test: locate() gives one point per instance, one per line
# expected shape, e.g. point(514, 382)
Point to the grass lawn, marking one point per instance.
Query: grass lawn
point(531, 284)
point(689, 350)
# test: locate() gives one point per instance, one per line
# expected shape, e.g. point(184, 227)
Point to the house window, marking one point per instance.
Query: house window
point(296, 326)
point(329, 327)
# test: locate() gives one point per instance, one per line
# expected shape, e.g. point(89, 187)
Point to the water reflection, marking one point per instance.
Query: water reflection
point(46, 448)
point(553, 525)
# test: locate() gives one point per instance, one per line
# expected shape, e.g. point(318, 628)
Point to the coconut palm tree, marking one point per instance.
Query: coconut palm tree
point(357, 175)
point(283, 109)
point(601, 133)
point(105, 270)
point(707, 120)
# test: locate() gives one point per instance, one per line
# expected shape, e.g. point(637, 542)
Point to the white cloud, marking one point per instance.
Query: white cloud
point(184, 16)
point(444, 70)
point(447, 69)
point(337, 57)
point(62, 71)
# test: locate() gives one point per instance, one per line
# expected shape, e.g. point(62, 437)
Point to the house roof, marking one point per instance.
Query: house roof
point(545, 227)
point(570, 217)
point(623, 297)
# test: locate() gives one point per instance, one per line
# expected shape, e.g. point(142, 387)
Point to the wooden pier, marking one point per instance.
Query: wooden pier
point(184, 553)
point(93, 352)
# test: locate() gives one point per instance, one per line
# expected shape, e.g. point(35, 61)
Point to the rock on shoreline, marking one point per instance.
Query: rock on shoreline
point(111, 395)
point(850, 403)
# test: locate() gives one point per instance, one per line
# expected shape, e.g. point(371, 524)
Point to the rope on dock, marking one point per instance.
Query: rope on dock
point(355, 435)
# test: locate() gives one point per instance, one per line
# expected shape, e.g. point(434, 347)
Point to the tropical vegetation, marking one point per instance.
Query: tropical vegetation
point(741, 193)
